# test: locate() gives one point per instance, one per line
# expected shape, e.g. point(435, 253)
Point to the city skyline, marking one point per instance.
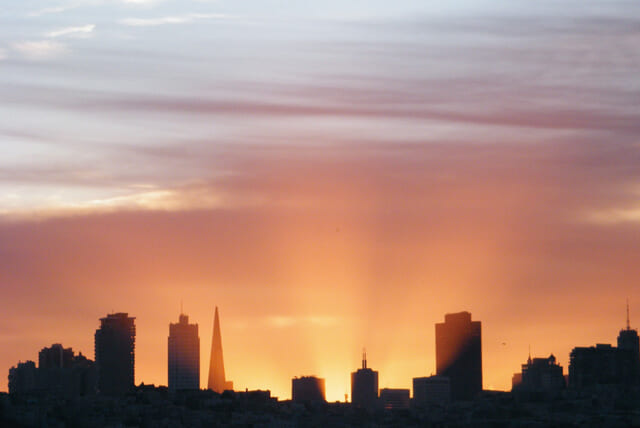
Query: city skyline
point(333, 175)
point(458, 336)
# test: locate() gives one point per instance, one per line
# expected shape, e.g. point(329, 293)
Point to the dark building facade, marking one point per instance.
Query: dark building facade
point(59, 373)
point(459, 354)
point(22, 378)
point(601, 365)
point(55, 356)
point(115, 354)
point(308, 389)
point(628, 342)
point(431, 390)
point(394, 399)
point(541, 377)
point(62, 373)
point(364, 386)
point(183, 355)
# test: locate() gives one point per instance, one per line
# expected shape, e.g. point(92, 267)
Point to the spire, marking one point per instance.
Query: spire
point(217, 380)
point(529, 359)
point(628, 323)
point(364, 358)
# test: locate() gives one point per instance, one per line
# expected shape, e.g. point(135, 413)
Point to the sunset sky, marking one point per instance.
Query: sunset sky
point(333, 175)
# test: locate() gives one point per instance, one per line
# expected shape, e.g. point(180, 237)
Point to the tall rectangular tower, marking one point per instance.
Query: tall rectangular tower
point(184, 355)
point(459, 354)
point(115, 354)
point(364, 386)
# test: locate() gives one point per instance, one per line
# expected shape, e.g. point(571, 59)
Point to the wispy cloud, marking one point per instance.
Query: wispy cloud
point(615, 216)
point(80, 31)
point(48, 10)
point(40, 49)
point(175, 19)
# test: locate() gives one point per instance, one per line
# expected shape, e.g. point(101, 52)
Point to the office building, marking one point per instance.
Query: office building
point(364, 386)
point(115, 354)
point(55, 356)
point(217, 380)
point(459, 354)
point(307, 389)
point(22, 378)
point(183, 355)
point(540, 377)
point(628, 343)
point(394, 399)
point(432, 390)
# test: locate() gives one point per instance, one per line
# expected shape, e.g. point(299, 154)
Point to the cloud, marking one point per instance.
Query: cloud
point(49, 10)
point(40, 49)
point(615, 216)
point(82, 31)
point(176, 19)
point(3, 54)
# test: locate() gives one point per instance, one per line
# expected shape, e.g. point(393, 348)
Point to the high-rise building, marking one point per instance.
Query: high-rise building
point(115, 353)
point(62, 373)
point(22, 378)
point(184, 355)
point(628, 342)
point(540, 377)
point(55, 357)
point(604, 364)
point(431, 390)
point(217, 381)
point(459, 354)
point(307, 389)
point(364, 386)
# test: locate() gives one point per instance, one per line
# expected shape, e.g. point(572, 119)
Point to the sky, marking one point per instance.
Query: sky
point(332, 175)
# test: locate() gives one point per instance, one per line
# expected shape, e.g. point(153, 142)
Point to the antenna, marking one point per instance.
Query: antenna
point(628, 323)
point(181, 307)
point(364, 358)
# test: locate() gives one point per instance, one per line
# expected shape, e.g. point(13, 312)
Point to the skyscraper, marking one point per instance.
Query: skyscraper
point(55, 357)
point(459, 354)
point(307, 389)
point(115, 353)
point(183, 355)
point(217, 380)
point(364, 386)
point(629, 343)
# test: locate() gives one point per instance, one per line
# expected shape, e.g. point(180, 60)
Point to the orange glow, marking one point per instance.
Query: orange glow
point(324, 263)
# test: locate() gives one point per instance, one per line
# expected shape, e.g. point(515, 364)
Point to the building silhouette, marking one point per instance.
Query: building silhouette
point(55, 356)
point(459, 354)
point(394, 399)
point(59, 373)
point(604, 364)
point(628, 343)
point(217, 381)
point(431, 390)
point(364, 386)
point(62, 373)
point(183, 355)
point(307, 389)
point(22, 378)
point(540, 378)
point(115, 353)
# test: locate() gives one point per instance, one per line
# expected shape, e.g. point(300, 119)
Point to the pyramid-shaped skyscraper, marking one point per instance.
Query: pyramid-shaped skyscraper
point(217, 381)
